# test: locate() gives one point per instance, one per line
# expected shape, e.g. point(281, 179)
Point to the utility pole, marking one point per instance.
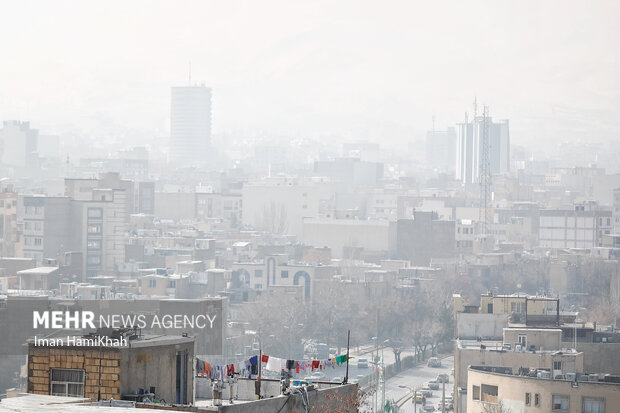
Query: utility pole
point(443, 396)
point(382, 379)
point(346, 376)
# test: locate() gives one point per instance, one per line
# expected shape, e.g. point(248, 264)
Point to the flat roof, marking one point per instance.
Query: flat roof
point(38, 270)
point(35, 403)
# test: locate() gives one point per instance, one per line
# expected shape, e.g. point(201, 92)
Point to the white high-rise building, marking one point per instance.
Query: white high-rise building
point(190, 124)
point(469, 136)
point(19, 144)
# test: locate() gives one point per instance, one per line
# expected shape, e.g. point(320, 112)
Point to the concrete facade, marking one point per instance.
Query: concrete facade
point(424, 237)
point(573, 228)
point(533, 395)
point(341, 234)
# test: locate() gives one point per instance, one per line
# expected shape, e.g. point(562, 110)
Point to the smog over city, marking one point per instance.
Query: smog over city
point(310, 206)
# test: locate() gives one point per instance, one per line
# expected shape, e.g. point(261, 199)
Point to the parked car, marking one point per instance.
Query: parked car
point(362, 363)
point(448, 405)
point(433, 385)
point(316, 376)
point(434, 362)
point(428, 408)
point(426, 391)
point(443, 378)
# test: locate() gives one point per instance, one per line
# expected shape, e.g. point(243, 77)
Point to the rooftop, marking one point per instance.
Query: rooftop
point(38, 270)
point(573, 379)
point(35, 403)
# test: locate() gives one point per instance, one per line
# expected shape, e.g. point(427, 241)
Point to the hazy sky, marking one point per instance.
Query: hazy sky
point(374, 69)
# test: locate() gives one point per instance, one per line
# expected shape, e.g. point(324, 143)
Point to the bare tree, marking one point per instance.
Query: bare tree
point(274, 218)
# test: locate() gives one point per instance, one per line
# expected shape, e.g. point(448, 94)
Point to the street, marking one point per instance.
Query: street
point(417, 377)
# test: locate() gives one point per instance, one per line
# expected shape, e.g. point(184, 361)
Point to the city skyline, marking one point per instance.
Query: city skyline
point(356, 71)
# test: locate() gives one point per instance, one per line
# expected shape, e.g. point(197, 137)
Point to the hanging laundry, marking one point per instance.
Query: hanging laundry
point(290, 364)
point(315, 364)
point(254, 365)
point(265, 358)
point(275, 364)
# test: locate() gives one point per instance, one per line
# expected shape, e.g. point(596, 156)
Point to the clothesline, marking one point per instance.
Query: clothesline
point(251, 366)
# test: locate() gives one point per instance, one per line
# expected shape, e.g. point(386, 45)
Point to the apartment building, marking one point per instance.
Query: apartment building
point(488, 386)
point(276, 270)
point(9, 235)
point(581, 227)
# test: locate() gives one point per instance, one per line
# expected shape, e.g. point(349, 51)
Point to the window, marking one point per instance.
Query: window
point(517, 308)
point(27, 241)
point(258, 273)
point(37, 241)
point(94, 229)
point(557, 365)
point(489, 393)
point(537, 400)
point(94, 244)
point(27, 225)
point(95, 212)
point(37, 226)
point(284, 274)
point(172, 284)
point(65, 382)
point(258, 286)
point(94, 260)
point(475, 392)
point(523, 340)
point(528, 399)
point(152, 283)
point(560, 403)
point(591, 405)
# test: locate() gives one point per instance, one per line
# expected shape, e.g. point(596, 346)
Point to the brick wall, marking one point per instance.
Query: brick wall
point(42, 359)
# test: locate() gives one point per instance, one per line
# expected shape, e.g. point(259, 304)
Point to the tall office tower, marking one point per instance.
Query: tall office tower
point(440, 149)
point(469, 139)
point(190, 125)
point(19, 144)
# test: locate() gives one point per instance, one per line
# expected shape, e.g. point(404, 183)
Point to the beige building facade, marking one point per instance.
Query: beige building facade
point(521, 394)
